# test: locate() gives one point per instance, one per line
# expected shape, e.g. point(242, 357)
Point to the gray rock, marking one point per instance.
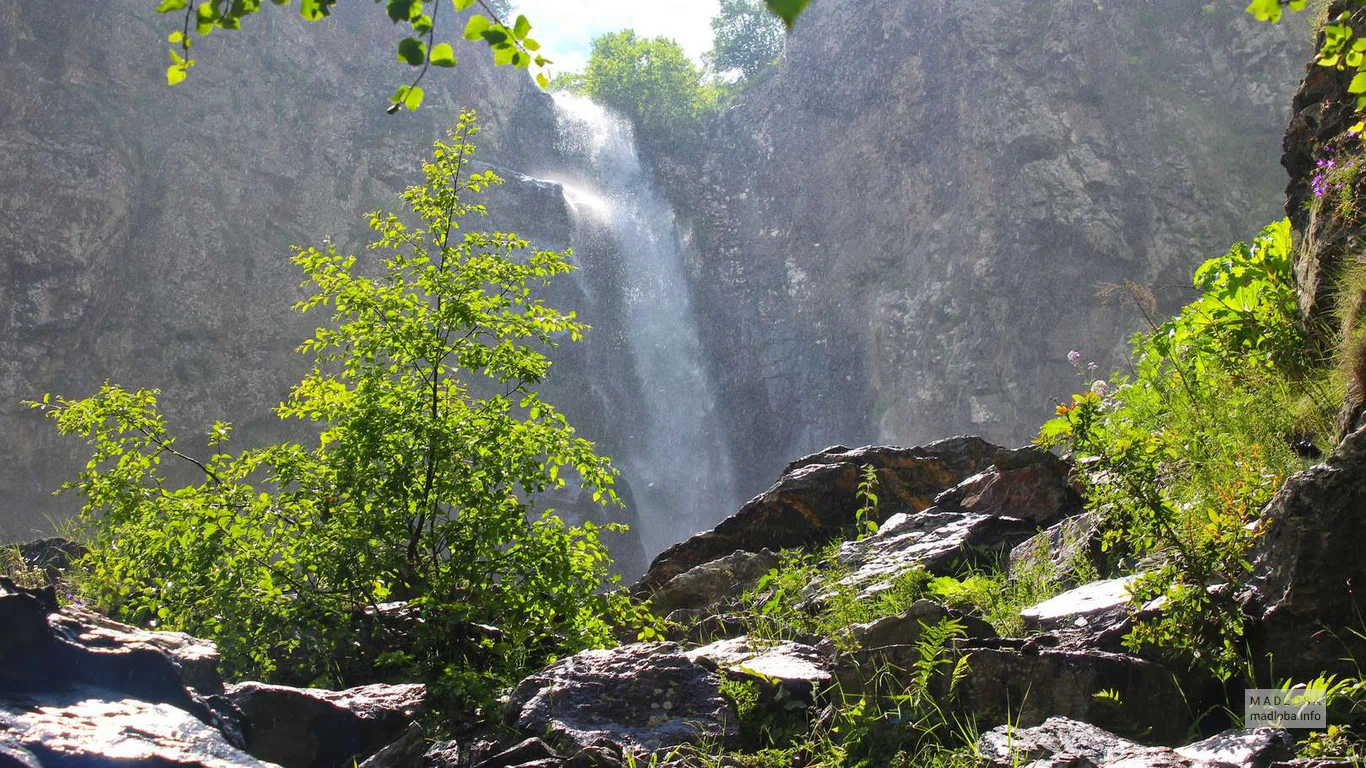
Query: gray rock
point(1246, 748)
point(100, 728)
point(195, 659)
point(816, 501)
point(1025, 688)
point(1067, 550)
point(643, 698)
point(933, 540)
point(800, 669)
point(527, 751)
point(1083, 610)
point(905, 628)
point(1305, 568)
point(407, 751)
point(312, 728)
point(1060, 741)
point(712, 583)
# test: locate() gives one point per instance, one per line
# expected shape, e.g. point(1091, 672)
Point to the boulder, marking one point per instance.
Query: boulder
point(310, 728)
point(1306, 566)
point(801, 670)
point(51, 556)
point(195, 660)
point(1069, 550)
point(43, 650)
point(407, 751)
point(1025, 687)
point(904, 629)
point(1089, 615)
point(815, 501)
point(641, 698)
point(1059, 742)
point(933, 540)
point(529, 751)
point(96, 728)
point(1026, 483)
point(711, 583)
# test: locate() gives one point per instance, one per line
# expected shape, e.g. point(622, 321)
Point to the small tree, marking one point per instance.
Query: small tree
point(434, 446)
point(745, 36)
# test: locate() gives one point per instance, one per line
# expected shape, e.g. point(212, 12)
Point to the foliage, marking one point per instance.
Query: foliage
point(1182, 457)
point(745, 37)
point(865, 517)
point(651, 82)
point(433, 448)
point(1342, 48)
point(509, 43)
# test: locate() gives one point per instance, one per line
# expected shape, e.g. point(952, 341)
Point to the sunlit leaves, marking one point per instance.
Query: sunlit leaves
point(443, 55)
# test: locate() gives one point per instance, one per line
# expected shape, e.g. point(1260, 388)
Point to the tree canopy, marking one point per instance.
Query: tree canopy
point(745, 37)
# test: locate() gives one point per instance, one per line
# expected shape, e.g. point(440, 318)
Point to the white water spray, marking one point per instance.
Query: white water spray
point(675, 458)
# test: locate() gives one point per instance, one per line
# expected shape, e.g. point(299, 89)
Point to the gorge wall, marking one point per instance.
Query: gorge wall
point(902, 230)
point(896, 234)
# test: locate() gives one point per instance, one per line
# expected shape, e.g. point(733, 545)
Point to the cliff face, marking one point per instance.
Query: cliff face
point(144, 230)
point(901, 232)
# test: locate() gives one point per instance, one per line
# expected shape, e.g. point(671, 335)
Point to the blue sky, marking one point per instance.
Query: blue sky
point(566, 28)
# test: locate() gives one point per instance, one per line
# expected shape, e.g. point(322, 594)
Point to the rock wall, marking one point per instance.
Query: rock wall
point(144, 230)
point(901, 232)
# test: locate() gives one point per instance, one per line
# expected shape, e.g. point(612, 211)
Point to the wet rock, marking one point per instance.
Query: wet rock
point(933, 540)
point(96, 728)
point(1069, 549)
point(906, 627)
point(642, 698)
point(800, 669)
point(1060, 741)
point(309, 728)
point(1083, 612)
point(814, 501)
point(1306, 567)
point(711, 583)
point(1025, 688)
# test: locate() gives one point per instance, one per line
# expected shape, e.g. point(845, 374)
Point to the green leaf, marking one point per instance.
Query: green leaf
point(542, 80)
point(167, 6)
point(475, 27)
point(401, 10)
point(1358, 84)
point(521, 27)
point(315, 10)
point(423, 23)
point(461, 5)
point(443, 55)
point(789, 10)
point(1265, 10)
point(175, 74)
point(206, 17)
point(412, 97)
point(412, 50)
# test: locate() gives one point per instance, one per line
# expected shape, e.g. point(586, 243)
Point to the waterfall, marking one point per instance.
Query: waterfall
point(670, 443)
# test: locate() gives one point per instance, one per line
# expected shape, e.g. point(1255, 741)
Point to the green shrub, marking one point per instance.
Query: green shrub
point(422, 487)
point(1182, 456)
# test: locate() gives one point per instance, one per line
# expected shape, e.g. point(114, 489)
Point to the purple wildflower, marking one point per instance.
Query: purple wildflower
point(1074, 357)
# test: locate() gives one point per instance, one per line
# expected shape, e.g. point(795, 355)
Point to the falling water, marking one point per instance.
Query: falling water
point(674, 455)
